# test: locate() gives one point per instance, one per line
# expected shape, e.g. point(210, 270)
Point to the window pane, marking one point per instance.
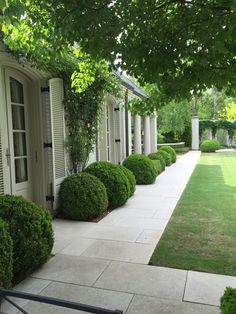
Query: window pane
point(19, 142)
point(21, 170)
point(18, 117)
point(16, 91)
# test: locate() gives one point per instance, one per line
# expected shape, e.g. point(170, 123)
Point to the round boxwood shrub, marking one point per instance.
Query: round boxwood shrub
point(166, 156)
point(228, 301)
point(170, 151)
point(142, 168)
point(157, 156)
point(157, 165)
point(83, 197)
point(209, 146)
point(31, 231)
point(6, 252)
point(131, 178)
point(114, 179)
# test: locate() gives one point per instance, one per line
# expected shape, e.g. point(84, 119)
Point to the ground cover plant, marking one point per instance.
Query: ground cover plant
point(201, 233)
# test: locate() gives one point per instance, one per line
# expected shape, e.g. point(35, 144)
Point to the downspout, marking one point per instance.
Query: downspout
point(126, 122)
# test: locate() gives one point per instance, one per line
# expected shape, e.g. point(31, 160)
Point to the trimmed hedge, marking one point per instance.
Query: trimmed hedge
point(170, 151)
point(182, 150)
point(6, 252)
point(166, 156)
point(83, 197)
point(228, 301)
point(31, 231)
point(142, 168)
point(114, 179)
point(131, 178)
point(157, 156)
point(209, 146)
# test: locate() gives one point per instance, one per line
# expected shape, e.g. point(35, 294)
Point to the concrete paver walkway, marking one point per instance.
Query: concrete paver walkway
point(105, 264)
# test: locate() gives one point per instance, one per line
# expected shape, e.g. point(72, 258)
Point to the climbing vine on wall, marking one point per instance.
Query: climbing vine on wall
point(215, 125)
point(86, 81)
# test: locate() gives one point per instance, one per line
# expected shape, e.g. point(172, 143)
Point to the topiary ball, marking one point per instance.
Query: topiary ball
point(114, 179)
point(157, 165)
point(166, 156)
point(30, 227)
point(6, 253)
point(209, 146)
point(142, 168)
point(157, 156)
point(83, 197)
point(131, 178)
point(170, 151)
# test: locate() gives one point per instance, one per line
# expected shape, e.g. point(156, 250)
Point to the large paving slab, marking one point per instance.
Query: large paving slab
point(207, 288)
point(149, 305)
point(96, 297)
point(138, 222)
point(30, 285)
point(149, 236)
point(72, 269)
point(77, 246)
point(121, 251)
point(118, 233)
point(142, 279)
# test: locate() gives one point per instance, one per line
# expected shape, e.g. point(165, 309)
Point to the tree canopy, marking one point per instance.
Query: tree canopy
point(181, 45)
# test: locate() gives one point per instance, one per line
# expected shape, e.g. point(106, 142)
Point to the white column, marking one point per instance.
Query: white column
point(146, 139)
point(153, 133)
point(130, 133)
point(195, 133)
point(227, 139)
point(137, 134)
point(210, 134)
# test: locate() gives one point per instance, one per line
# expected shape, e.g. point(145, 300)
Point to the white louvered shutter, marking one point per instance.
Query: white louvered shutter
point(58, 136)
point(1, 169)
point(117, 133)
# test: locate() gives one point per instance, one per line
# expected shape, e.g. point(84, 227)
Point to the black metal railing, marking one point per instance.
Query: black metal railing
point(4, 293)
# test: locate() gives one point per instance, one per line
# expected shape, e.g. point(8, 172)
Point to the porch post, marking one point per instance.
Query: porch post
point(146, 139)
point(227, 139)
point(153, 133)
point(137, 134)
point(195, 133)
point(210, 134)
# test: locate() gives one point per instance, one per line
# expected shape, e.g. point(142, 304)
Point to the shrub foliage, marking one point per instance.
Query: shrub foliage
point(166, 156)
point(228, 301)
point(170, 151)
point(142, 168)
point(209, 146)
point(131, 178)
point(6, 252)
point(31, 231)
point(114, 179)
point(83, 197)
point(157, 156)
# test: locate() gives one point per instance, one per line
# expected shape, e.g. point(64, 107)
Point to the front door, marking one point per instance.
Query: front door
point(18, 134)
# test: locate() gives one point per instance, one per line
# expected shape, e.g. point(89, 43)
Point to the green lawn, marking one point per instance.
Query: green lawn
point(201, 234)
